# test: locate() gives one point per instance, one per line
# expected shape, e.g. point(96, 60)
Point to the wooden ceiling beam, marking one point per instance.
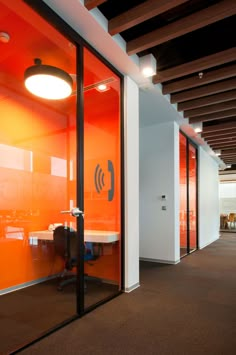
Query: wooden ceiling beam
point(140, 13)
point(199, 19)
point(91, 4)
point(195, 66)
point(208, 100)
point(229, 160)
point(223, 145)
point(221, 138)
point(228, 151)
point(219, 134)
point(219, 127)
point(205, 90)
point(229, 156)
point(213, 116)
point(210, 109)
point(196, 80)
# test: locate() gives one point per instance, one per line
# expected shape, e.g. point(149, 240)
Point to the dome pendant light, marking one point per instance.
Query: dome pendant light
point(47, 81)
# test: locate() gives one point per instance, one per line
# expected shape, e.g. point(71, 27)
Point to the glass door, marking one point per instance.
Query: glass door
point(102, 181)
point(188, 196)
point(38, 167)
point(57, 156)
point(183, 196)
point(192, 197)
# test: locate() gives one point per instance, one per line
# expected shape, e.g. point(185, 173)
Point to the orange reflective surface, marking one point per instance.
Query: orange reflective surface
point(102, 165)
point(192, 198)
point(38, 161)
point(188, 196)
point(183, 194)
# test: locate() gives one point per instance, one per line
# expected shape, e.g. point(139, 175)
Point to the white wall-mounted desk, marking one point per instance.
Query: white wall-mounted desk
point(94, 236)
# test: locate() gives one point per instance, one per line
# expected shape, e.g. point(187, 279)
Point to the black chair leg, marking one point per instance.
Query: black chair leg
point(66, 282)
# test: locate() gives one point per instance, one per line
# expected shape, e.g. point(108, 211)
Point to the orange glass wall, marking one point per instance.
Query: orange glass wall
point(35, 146)
point(192, 197)
point(188, 196)
point(183, 193)
point(102, 162)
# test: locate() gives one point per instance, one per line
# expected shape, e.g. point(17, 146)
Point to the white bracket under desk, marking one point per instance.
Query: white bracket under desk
point(94, 236)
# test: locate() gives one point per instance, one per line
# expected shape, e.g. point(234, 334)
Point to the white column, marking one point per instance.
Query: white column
point(131, 205)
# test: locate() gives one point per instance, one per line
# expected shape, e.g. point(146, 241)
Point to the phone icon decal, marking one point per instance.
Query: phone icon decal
point(99, 176)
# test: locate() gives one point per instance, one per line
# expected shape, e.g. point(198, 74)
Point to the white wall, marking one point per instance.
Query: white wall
point(227, 197)
point(208, 189)
point(159, 175)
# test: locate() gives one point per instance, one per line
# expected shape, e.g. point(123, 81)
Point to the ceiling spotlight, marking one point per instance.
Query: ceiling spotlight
point(197, 127)
point(48, 82)
point(102, 87)
point(148, 65)
point(218, 152)
point(200, 75)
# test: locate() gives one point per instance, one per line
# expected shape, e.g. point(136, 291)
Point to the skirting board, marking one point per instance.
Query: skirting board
point(26, 284)
point(172, 262)
point(131, 288)
point(208, 243)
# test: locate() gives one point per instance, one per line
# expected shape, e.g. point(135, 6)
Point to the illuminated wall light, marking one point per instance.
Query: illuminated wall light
point(218, 152)
point(228, 166)
point(197, 127)
point(48, 82)
point(147, 65)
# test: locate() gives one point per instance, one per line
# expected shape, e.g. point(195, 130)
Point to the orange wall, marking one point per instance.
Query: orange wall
point(30, 197)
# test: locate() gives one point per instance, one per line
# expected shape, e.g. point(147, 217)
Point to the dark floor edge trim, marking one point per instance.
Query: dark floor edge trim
point(172, 262)
point(27, 284)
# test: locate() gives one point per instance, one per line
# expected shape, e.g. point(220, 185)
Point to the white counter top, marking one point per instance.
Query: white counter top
point(94, 236)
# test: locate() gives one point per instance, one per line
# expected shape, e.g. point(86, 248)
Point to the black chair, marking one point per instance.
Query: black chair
point(65, 244)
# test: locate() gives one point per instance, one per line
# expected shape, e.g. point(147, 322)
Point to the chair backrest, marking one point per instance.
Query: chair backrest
point(232, 217)
point(65, 242)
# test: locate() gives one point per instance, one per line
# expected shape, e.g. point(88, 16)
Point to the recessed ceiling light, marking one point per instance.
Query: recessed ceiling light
point(102, 87)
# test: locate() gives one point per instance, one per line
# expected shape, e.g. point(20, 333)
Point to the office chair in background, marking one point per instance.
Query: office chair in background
point(65, 244)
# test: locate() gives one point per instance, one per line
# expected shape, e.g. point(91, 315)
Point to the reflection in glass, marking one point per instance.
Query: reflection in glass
point(183, 194)
point(101, 181)
point(188, 196)
point(192, 187)
point(37, 180)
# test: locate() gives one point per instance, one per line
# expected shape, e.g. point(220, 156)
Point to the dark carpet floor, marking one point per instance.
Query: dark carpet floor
point(183, 309)
point(28, 313)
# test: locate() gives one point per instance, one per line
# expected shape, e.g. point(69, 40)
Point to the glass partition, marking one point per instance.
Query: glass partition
point(188, 196)
point(51, 157)
point(192, 188)
point(183, 195)
point(38, 158)
point(102, 186)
